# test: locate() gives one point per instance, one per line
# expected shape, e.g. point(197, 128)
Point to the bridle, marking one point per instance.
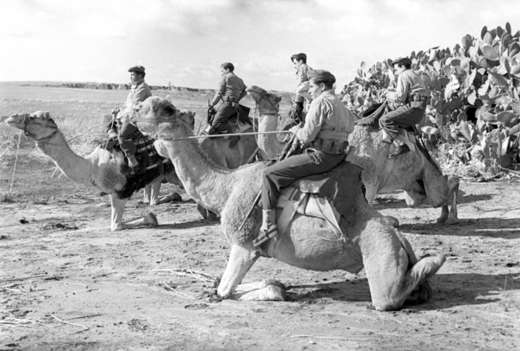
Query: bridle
point(263, 97)
point(32, 136)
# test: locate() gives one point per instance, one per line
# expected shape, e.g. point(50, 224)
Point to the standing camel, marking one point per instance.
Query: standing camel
point(419, 177)
point(101, 169)
point(310, 242)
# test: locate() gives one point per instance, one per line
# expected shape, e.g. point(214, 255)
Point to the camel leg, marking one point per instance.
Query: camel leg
point(453, 184)
point(116, 218)
point(371, 193)
point(391, 272)
point(153, 190)
point(444, 214)
point(449, 209)
point(239, 262)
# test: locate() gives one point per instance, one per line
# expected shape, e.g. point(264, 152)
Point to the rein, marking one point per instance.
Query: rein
point(195, 137)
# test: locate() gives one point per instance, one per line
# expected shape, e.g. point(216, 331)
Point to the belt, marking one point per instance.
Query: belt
point(330, 146)
point(419, 98)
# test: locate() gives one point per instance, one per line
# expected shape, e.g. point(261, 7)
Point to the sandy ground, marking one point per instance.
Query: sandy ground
point(68, 283)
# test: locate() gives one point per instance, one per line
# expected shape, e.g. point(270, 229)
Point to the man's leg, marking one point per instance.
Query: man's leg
point(401, 117)
point(283, 174)
point(392, 122)
point(224, 112)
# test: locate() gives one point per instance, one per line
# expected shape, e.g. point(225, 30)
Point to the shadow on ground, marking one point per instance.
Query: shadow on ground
point(449, 290)
point(506, 228)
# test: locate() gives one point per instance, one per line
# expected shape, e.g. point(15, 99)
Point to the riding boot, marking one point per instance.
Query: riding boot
point(387, 138)
point(269, 229)
point(398, 150)
point(298, 111)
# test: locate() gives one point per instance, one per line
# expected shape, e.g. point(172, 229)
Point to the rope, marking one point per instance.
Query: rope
point(194, 137)
point(11, 184)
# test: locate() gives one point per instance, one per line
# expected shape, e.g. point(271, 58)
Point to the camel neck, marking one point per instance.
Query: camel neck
point(74, 166)
point(269, 143)
point(204, 181)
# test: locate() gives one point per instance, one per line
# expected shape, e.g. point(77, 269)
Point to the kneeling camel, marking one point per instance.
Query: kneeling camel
point(393, 272)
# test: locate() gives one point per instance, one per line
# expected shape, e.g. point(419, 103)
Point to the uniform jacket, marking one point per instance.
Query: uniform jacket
point(138, 93)
point(231, 89)
point(409, 83)
point(327, 124)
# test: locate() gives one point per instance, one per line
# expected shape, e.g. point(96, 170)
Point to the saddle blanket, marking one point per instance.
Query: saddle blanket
point(150, 165)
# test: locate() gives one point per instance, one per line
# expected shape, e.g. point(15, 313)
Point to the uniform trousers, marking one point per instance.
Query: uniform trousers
point(403, 117)
point(284, 173)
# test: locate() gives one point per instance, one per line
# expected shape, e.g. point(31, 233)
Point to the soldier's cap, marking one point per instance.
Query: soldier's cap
point(405, 61)
point(136, 69)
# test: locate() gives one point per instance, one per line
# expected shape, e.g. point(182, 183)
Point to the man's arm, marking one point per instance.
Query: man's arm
point(313, 122)
point(403, 88)
point(126, 139)
point(220, 92)
point(142, 93)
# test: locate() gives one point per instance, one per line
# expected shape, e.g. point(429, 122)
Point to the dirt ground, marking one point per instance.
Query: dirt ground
point(68, 283)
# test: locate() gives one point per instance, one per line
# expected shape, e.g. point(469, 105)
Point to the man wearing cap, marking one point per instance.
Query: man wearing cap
point(139, 92)
point(324, 138)
point(409, 101)
point(231, 90)
point(302, 73)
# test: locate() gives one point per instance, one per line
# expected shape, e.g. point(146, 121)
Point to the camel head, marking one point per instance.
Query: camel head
point(267, 103)
point(158, 116)
point(38, 125)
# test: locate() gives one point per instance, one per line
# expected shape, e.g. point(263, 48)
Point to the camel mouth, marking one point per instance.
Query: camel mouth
point(145, 127)
point(14, 122)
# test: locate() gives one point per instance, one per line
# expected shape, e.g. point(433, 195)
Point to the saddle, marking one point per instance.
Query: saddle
point(330, 196)
point(239, 122)
point(150, 164)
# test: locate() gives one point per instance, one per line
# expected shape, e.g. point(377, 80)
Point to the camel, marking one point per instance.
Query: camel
point(220, 151)
point(419, 178)
point(101, 169)
point(393, 272)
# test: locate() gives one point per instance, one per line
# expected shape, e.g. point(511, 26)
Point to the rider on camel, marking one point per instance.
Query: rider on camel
point(324, 140)
point(231, 90)
point(127, 133)
point(302, 73)
point(409, 102)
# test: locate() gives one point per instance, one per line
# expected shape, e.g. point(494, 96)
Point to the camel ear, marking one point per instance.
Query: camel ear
point(188, 117)
point(168, 107)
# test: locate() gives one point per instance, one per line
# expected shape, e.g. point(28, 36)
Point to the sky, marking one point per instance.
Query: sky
point(183, 42)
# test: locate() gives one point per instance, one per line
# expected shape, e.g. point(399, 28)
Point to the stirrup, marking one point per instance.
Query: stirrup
point(266, 235)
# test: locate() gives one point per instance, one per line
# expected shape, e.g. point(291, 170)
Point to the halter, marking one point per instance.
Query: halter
point(32, 136)
point(263, 96)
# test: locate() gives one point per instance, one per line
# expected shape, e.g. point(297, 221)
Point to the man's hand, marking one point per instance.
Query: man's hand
point(115, 111)
point(132, 161)
point(294, 129)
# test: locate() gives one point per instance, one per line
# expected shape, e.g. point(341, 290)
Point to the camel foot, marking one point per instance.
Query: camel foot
point(150, 219)
point(391, 221)
point(421, 294)
point(174, 197)
point(207, 214)
point(444, 215)
point(429, 265)
point(451, 220)
point(117, 227)
point(267, 290)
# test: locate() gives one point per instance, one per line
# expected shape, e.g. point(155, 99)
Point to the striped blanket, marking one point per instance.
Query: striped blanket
point(150, 165)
